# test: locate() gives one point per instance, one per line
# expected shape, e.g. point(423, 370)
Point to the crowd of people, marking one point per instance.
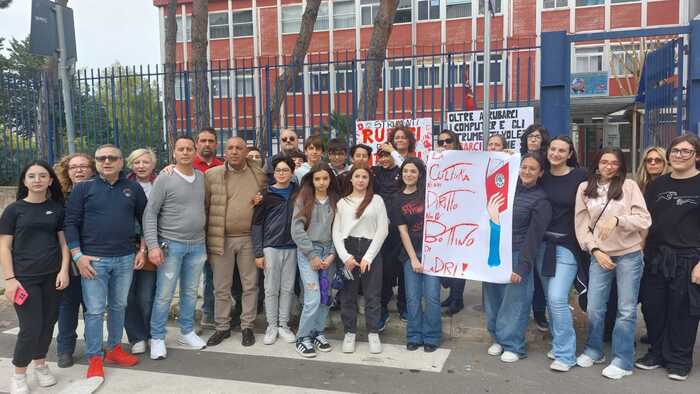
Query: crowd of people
point(306, 233)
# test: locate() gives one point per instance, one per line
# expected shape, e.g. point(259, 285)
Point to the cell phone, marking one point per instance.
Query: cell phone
point(21, 295)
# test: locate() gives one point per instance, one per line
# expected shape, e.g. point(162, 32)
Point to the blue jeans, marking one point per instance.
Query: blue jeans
point(208, 303)
point(627, 273)
point(108, 289)
point(183, 261)
point(423, 328)
point(556, 288)
point(137, 321)
point(507, 308)
point(68, 310)
point(313, 315)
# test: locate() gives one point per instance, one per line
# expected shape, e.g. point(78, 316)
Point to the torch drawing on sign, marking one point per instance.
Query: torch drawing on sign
point(497, 202)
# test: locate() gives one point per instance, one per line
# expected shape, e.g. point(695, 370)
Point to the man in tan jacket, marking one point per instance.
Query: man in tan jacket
point(230, 193)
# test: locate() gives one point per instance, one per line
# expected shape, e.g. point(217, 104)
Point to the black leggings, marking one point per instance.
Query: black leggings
point(37, 317)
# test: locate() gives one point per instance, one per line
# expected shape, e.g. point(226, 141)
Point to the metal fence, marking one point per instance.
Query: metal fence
point(124, 105)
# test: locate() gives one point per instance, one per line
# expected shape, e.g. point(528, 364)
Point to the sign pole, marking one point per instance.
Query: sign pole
point(63, 71)
point(487, 72)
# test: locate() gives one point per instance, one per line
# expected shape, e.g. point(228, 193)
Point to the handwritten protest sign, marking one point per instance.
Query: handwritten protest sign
point(511, 122)
point(459, 239)
point(376, 132)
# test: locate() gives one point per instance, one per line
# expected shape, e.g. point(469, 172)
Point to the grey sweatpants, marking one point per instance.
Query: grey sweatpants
point(280, 273)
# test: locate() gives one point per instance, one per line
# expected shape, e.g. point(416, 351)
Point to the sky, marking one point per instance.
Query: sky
point(107, 31)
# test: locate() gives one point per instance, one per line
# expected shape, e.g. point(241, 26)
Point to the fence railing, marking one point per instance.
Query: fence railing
point(124, 105)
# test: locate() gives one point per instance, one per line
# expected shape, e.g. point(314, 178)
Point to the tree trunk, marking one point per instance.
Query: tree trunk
point(200, 65)
point(284, 82)
point(49, 81)
point(376, 54)
point(169, 69)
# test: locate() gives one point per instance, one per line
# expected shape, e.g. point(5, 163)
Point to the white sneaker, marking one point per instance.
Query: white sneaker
point(270, 335)
point(584, 361)
point(18, 384)
point(495, 349)
point(158, 349)
point(138, 348)
point(375, 345)
point(44, 376)
point(509, 357)
point(349, 343)
point(287, 335)
point(557, 365)
point(192, 340)
point(550, 355)
point(615, 372)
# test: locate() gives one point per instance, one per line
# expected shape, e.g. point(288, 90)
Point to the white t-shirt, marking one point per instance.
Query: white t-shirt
point(188, 178)
point(147, 187)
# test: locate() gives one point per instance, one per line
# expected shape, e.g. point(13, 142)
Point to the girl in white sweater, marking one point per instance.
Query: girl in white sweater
point(359, 229)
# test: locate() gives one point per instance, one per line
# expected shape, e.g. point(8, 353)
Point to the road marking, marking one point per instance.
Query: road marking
point(129, 380)
point(392, 356)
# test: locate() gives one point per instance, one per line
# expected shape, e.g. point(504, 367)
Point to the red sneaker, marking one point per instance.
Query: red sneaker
point(119, 357)
point(95, 368)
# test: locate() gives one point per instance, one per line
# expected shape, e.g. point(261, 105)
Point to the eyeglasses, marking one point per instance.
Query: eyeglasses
point(653, 160)
point(534, 137)
point(110, 158)
point(282, 170)
point(445, 141)
point(78, 168)
point(290, 139)
point(682, 153)
point(613, 163)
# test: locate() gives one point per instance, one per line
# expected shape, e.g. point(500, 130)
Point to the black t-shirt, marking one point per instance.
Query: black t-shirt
point(34, 227)
point(674, 205)
point(409, 209)
point(561, 193)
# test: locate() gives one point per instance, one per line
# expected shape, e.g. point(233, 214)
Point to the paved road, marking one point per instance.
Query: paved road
point(461, 366)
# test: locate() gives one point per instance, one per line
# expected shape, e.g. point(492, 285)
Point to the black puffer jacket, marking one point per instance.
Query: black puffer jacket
point(272, 221)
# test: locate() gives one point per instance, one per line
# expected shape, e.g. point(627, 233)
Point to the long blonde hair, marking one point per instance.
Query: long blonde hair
point(61, 169)
point(643, 176)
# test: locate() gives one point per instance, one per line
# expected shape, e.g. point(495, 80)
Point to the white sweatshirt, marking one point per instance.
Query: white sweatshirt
point(373, 224)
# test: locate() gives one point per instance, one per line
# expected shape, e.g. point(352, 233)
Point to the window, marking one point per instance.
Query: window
point(624, 1)
point(495, 68)
point(428, 9)
point(555, 4)
point(321, 18)
point(458, 8)
point(180, 85)
point(369, 10)
point(400, 73)
point(218, 25)
point(184, 35)
point(320, 79)
point(220, 85)
point(344, 77)
point(343, 14)
point(244, 83)
point(243, 23)
point(459, 72)
point(583, 3)
point(589, 59)
point(496, 5)
point(428, 75)
point(291, 19)
point(624, 60)
point(403, 12)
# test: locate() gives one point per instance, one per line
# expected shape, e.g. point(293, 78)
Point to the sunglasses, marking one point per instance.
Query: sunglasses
point(653, 160)
point(290, 139)
point(445, 141)
point(110, 158)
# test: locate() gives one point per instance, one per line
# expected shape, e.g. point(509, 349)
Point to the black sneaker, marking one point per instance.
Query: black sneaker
point(678, 374)
point(305, 348)
point(321, 343)
point(412, 346)
point(383, 320)
point(541, 322)
point(644, 339)
point(218, 337)
point(648, 362)
point(65, 360)
point(429, 348)
point(247, 337)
